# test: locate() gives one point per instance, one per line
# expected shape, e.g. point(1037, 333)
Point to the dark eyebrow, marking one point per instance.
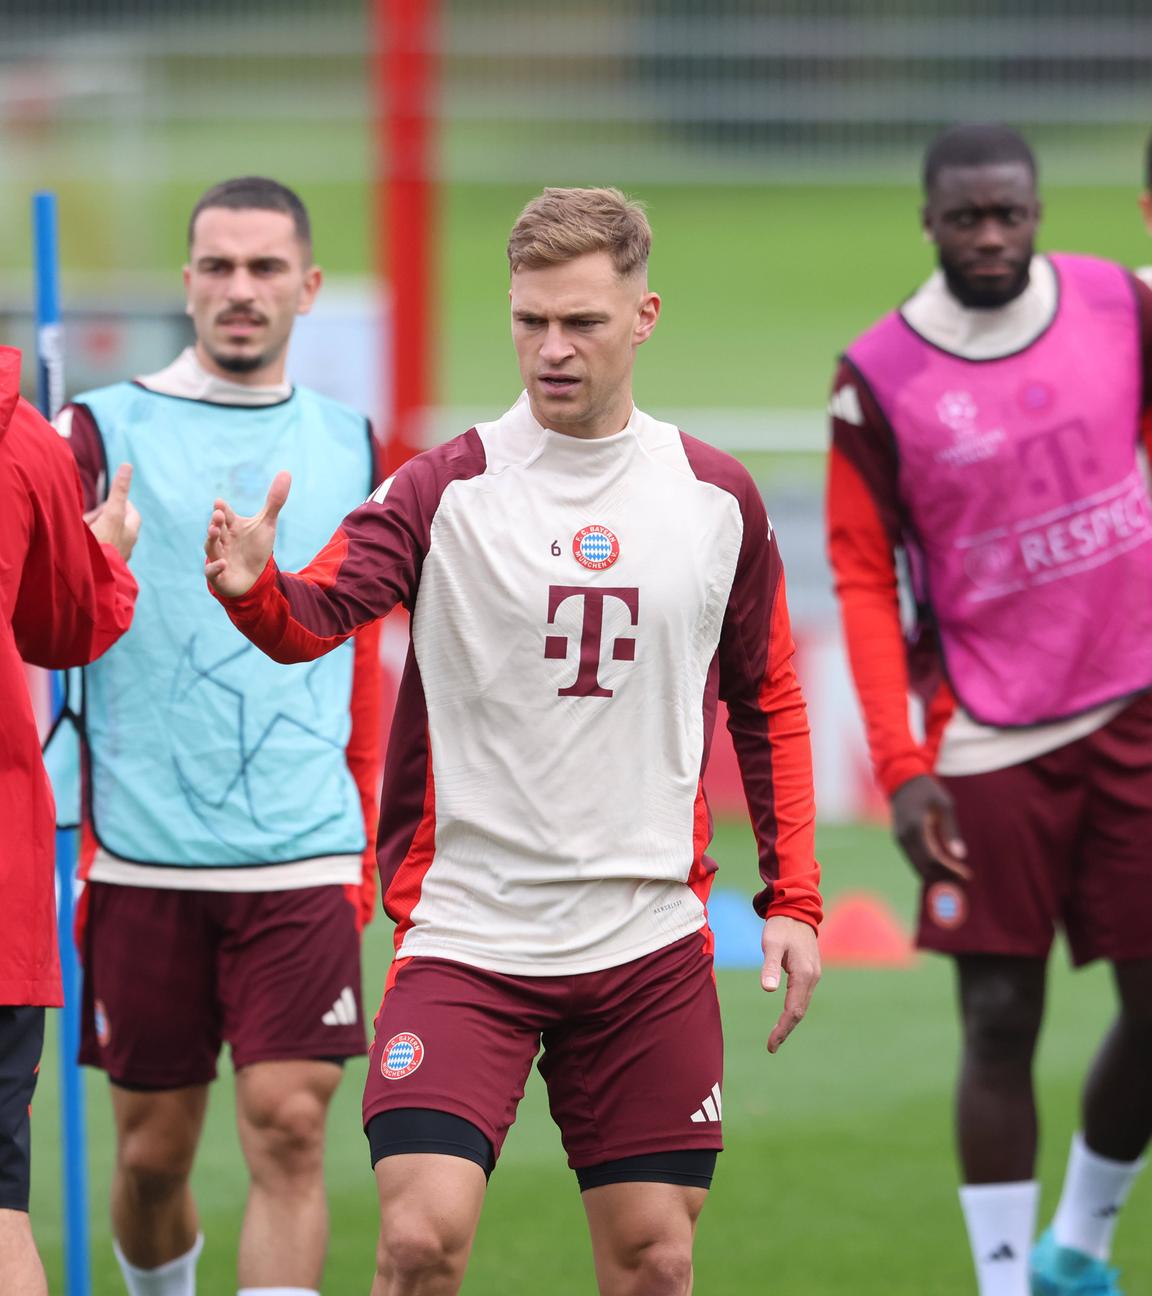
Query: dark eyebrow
point(992, 209)
point(217, 258)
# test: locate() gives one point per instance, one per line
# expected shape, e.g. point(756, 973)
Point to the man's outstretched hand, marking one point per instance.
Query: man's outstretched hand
point(238, 548)
point(789, 947)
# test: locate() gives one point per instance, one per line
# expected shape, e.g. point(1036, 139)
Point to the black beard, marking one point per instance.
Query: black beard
point(240, 364)
point(983, 298)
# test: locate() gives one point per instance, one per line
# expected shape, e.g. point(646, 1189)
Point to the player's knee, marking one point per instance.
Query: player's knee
point(1001, 1024)
point(155, 1170)
point(412, 1251)
point(662, 1269)
point(289, 1128)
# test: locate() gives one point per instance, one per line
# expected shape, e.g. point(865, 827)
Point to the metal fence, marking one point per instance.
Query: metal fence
point(643, 90)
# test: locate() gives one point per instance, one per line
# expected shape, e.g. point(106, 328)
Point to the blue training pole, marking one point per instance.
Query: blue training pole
point(50, 353)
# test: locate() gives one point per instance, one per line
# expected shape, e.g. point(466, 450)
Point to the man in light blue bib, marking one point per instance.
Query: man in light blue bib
point(230, 803)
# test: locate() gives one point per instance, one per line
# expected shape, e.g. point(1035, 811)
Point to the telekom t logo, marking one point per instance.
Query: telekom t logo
point(587, 683)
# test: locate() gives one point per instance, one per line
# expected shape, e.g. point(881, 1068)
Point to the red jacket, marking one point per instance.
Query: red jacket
point(64, 599)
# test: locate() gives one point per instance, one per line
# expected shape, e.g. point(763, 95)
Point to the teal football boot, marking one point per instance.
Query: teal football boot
point(1060, 1271)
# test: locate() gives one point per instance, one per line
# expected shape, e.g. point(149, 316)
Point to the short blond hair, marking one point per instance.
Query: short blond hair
point(563, 224)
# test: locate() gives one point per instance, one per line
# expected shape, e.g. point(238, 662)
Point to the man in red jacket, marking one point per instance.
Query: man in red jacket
point(66, 595)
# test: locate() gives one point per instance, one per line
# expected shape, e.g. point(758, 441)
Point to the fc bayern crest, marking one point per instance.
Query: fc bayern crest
point(103, 1030)
point(947, 905)
point(402, 1055)
point(595, 547)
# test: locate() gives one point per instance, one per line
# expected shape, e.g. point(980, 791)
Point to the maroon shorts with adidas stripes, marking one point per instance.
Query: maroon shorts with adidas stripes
point(1060, 841)
point(633, 1055)
point(169, 975)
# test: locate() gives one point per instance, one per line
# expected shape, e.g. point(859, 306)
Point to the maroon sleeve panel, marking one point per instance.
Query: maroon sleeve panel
point(767, 717)
point(372, 563)
point(87, 446)
point(861, 435)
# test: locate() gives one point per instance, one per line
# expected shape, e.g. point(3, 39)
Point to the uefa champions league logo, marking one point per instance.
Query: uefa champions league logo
point(957, 411)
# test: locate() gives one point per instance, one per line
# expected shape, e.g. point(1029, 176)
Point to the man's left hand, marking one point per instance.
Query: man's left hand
point(789, 947)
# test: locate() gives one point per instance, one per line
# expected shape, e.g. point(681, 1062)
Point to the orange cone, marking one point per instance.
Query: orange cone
point(860, 930)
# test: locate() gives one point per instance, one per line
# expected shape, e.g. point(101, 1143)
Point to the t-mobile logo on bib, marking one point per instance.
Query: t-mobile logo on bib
point(587, 682)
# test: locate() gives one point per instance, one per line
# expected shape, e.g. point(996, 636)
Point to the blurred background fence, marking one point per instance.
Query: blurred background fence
point(145, 91)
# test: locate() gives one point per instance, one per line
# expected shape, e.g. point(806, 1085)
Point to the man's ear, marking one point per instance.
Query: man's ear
point(646, 317)
point(313, 280)
point(1145, 201)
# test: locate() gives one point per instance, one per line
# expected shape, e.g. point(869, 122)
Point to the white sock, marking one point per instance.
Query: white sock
point(176, 1278)
point(1001, 1221)
point(1095, 1188)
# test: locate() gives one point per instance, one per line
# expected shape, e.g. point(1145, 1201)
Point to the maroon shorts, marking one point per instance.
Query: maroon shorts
point(169, 975)
point(633, 1055)
point(1064, 840)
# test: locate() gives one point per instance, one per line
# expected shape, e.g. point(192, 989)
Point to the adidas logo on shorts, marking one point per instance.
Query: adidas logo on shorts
point(343, 1011)
point(711, 1108)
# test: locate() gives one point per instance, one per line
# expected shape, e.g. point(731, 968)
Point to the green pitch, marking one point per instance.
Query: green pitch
point(838, 1175)
point(763, 286)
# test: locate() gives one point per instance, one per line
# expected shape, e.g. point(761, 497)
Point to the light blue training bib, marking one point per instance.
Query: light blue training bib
point(204, 752)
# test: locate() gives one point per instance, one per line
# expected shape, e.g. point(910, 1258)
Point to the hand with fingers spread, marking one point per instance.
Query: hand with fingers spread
point(924, 823)
point(238, 548)
point(790, 948)
point(116, 521)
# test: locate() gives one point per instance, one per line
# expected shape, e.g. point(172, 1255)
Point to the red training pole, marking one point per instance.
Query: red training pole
point(404, 67)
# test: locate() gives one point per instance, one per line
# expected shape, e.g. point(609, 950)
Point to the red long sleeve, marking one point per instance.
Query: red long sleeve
point(63, 600)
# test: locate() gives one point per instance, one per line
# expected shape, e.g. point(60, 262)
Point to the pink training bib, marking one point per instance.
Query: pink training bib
point(1028, 520)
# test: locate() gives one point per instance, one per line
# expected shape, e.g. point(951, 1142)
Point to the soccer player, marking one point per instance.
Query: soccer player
point(987, 432)
point(585, 583)
point(65, 596)
point(230, 802)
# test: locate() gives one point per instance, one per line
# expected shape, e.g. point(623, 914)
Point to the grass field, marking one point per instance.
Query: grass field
point(763, 285)
point(838, 1176)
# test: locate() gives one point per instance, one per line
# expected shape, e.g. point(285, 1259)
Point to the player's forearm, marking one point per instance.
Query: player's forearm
point(82, 617)
point(116, 591)
point(266, 616)
point(876, 656)
point(77, 596)
point(861, 553)
point(773, 745)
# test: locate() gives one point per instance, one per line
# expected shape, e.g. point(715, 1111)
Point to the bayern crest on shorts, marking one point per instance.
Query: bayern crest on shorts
point(595, 547)
point(100, 1020)
point(947, 905)
point(401, 1056)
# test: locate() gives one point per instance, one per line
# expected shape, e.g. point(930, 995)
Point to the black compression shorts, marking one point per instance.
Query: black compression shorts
point(21, 1043)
